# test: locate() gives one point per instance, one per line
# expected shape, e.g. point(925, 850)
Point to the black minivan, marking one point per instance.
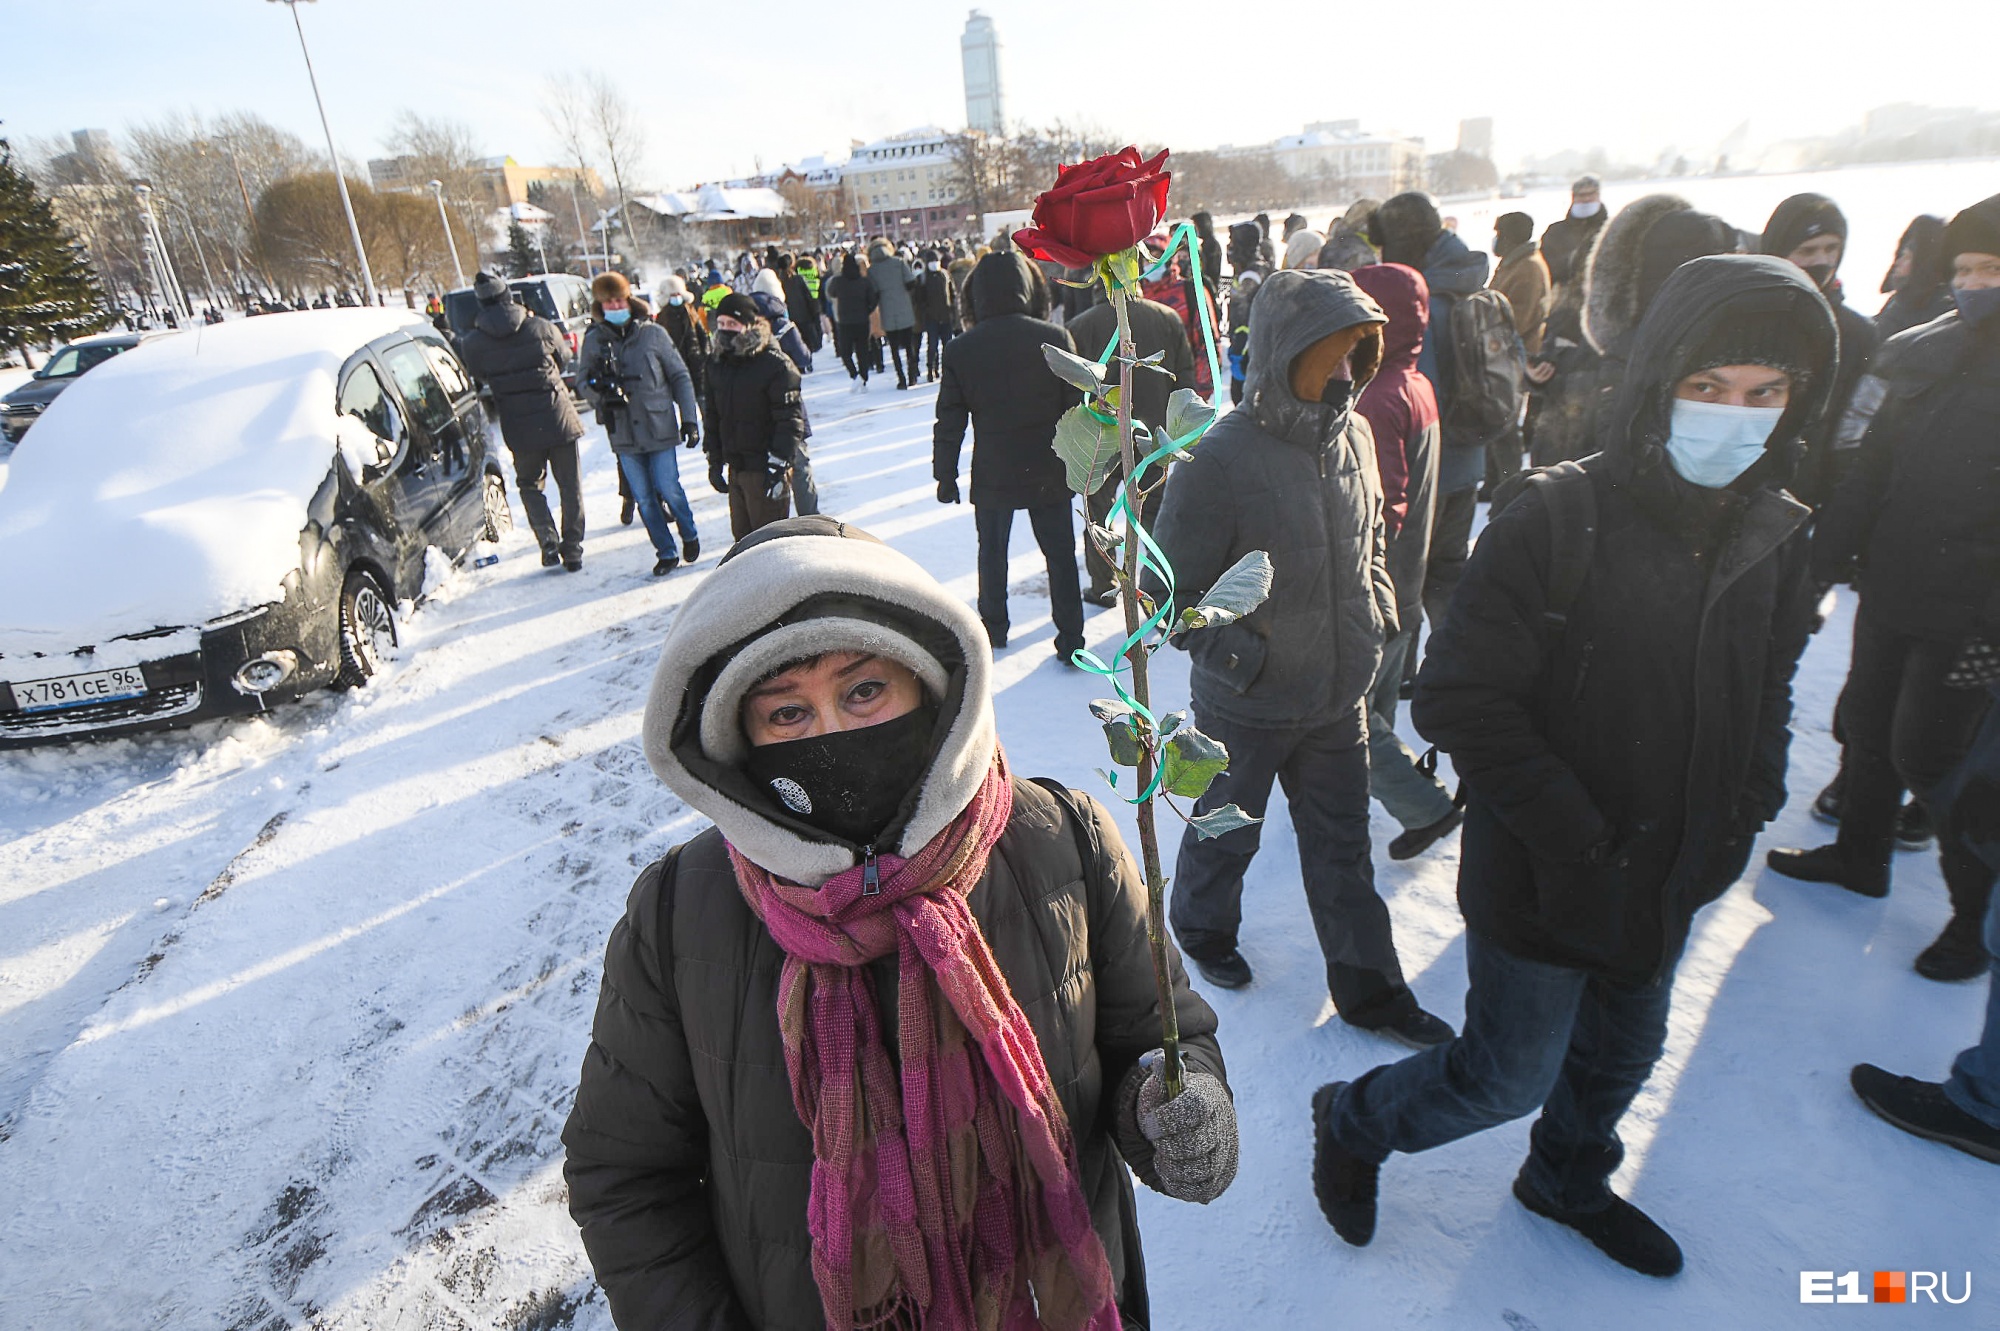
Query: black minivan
point(407, 470)
point(561, 298)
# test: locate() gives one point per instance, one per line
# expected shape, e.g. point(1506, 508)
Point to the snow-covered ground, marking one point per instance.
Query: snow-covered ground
point(291, 1008)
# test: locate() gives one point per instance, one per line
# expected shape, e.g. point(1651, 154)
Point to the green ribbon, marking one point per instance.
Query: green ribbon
point(1151, 557)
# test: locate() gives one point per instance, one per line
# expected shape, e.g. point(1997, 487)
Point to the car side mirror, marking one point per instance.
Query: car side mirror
point(42, 373)
point(365, 454)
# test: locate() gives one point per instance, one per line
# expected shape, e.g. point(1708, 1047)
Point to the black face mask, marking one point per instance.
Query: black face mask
point(1820, 273)
point(725, 342)
point(1337, 393)
point(851, 782)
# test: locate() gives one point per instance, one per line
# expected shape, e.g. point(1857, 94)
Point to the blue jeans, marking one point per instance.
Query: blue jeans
point(1574, 1045)
point(1974, 818)
point(655, 482)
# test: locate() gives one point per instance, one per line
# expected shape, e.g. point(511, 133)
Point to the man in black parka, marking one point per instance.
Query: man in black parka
point(996, 378)
point(521, 357)
point(1619, 753)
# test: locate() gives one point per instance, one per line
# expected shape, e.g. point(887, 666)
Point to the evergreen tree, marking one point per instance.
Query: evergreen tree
point(48, 292)
point(521, 251)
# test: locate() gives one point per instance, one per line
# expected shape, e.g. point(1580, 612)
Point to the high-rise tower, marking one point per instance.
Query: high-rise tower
point(980, 48)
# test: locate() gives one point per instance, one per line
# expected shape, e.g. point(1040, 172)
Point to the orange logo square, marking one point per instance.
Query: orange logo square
point(1892, 1287)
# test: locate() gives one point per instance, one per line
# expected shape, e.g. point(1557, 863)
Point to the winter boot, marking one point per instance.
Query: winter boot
point(1224, 970)
point(625, 512)
point(1417, 840)
point(1621, 1231)
point(1827, 864)
point(1922, 1109)
point(1344, 1183)
point(1914, 830)
point(1827, 806)
point(1958, 953)
point(551, 558)
point(690, 549)
point(665, 566)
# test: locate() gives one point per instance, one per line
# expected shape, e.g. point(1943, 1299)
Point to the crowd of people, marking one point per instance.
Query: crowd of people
point(871, 1049)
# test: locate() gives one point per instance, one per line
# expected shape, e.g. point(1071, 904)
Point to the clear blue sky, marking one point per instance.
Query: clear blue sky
point(721, 84)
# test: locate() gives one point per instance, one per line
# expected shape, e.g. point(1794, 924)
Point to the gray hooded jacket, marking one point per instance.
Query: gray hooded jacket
point(1297, 480)
point(656, 382)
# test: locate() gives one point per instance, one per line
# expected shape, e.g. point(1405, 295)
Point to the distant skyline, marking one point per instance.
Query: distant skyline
point(726, 92)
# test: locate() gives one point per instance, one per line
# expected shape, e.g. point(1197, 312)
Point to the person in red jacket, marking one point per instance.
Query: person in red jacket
point(1401, 408)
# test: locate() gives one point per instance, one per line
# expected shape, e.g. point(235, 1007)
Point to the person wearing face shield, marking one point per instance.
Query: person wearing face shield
point(1913, 526)
point(1293, 473)
point(1614, 688)
point(877, 1049)
point(1811, 231)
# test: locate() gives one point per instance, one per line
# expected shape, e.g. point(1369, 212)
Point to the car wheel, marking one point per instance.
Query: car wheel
point(499, 517)
point(367, 629)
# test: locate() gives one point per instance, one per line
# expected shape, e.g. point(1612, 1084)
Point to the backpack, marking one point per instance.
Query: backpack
point(1489, 367)
point(1571, 503)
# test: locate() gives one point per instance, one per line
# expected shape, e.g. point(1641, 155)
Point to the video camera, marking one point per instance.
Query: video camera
point(607, 385)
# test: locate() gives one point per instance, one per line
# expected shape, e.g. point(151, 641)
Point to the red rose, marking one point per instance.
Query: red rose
point(1097, 207)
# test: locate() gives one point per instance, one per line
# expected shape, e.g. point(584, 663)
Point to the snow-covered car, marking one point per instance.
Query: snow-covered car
point(25, 405)
point(217, 521)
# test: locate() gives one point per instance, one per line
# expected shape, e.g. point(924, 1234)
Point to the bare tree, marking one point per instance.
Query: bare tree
point(447, 151)
point(589, 109)
point(568, 117)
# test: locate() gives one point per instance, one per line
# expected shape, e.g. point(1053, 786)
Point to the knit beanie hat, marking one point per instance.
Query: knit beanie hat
point(1799, 219)
point(739, 307)
point(1974, 231)
point(1513, 230)
point(610, 286)
point(1675, 239)
point(1772, 337)
point(490, 290)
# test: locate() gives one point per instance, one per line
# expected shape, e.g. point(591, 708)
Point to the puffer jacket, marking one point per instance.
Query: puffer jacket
point(994, 376)
point(656, 381)
point(520, 356)
point(1403, 416)
point(755, 414)
point(1618, 767)
point(1299, 481)
point(892, 279)
point(688, 1168)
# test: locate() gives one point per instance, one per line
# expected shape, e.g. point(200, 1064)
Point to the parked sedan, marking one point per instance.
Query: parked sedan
point(225, 519)
point(24, 406)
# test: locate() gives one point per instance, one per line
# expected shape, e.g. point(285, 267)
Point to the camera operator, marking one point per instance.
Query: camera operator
point(645, 401)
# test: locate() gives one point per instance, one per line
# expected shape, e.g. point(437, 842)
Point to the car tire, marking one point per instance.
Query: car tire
point(499, 517)
point(367, 625)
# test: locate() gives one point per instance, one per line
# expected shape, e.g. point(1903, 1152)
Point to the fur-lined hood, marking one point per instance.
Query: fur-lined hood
point(1296, 308)
point(1629, 262)
point(792, 590)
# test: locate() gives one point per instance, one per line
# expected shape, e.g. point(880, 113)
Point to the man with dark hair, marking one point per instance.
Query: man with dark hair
point(521, 357)
point(1613, 686)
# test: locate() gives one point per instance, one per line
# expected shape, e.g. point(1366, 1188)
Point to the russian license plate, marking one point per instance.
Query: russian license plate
point(46, 695)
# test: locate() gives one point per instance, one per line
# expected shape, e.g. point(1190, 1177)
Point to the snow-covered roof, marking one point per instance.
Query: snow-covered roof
point(529, 215)
point(714, 203)
point(168, 486)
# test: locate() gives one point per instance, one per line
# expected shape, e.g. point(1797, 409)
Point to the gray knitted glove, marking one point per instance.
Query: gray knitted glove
point(1184, 1147)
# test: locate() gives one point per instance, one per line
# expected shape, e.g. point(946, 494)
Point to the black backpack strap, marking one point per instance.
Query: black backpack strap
point(1086, 851)
point(1571, 502)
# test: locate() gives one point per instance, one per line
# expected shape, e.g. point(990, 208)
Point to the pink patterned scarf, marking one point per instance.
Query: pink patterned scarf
point(947, 1200)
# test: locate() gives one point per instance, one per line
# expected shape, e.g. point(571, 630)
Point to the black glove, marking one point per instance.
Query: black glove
point(948, 491)
point(777, 480)
point(716, 478)
point(691, 435)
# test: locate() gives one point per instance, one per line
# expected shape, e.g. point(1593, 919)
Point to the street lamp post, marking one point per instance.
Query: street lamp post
point(162, 262)
point(339, 176)
point(194, 236)
point(437, 192)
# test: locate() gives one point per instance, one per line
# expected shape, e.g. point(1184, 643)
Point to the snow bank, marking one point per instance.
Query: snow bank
point(168, 487)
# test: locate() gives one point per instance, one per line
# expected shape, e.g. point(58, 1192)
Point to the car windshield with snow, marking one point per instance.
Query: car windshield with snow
point(224, 519)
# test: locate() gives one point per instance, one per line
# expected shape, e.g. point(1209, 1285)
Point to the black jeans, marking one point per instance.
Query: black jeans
point(531, 467)
point(1057, 537)
point(903, 353)
point(1903, 726)
point(1098, 508)
point(850, 341)
point(1576, 1045)
point(1324, 772)
point(936, 333)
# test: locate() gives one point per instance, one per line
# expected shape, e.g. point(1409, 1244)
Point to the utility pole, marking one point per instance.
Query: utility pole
point(163, 263)
point(437, 192)
point(339, 176)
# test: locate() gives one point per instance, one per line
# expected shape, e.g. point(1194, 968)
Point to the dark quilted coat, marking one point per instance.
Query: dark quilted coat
point(688, 1168)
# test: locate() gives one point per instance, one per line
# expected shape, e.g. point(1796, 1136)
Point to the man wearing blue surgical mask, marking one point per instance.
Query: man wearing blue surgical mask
point(1613, 686)
point(1913, 527)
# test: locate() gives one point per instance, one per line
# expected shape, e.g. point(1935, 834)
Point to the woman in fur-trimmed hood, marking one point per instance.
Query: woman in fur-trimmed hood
point(872, 1050)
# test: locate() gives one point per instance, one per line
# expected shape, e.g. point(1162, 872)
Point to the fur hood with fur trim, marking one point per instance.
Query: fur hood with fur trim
point(790, 591)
